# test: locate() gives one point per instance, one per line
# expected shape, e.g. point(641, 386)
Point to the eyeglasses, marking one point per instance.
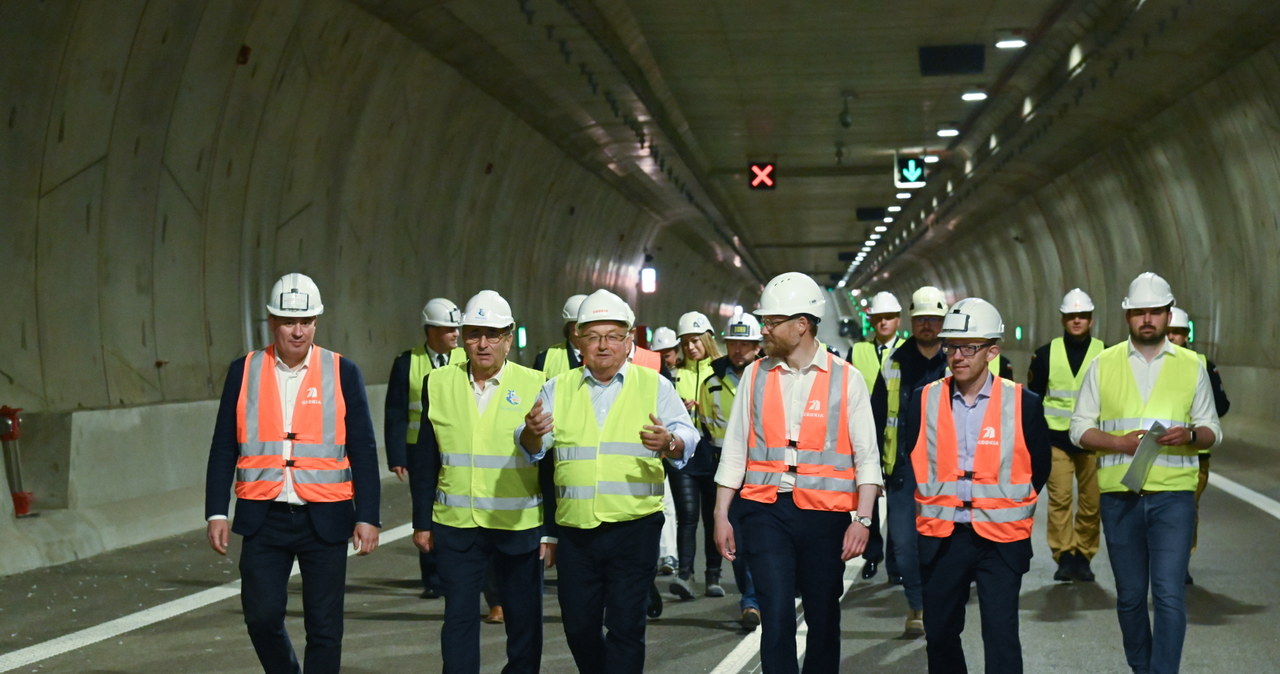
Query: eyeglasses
point(771, 323)
point(474, 336)
point(966, 350)
point(612, 339)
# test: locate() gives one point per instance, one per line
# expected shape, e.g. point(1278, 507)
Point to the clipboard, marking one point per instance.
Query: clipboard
point(1148, 450)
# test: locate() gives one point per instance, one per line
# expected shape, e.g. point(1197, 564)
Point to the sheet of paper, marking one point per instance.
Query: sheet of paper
point(1148, 449)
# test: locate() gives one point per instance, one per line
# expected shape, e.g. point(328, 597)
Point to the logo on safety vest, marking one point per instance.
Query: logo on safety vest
point(988, 436)
point(815, 406)
point(513, 397)
point(312, 392)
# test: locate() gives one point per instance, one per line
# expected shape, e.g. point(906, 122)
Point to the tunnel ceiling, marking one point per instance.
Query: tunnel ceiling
point(671, 100)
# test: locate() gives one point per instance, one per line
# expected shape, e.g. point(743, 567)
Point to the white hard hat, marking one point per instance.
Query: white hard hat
point(441, 312)
point(928, 301)
point(664, 338)
point(1180, 319)
point(693, 323)
point(295, 295)
point(743, 327)
point(487, 309)
point(603, 305)
point(972, 318)
point(884, 303)
point(570, 311)
point(1148, 291)
point(1076, 301)
point(790, 294)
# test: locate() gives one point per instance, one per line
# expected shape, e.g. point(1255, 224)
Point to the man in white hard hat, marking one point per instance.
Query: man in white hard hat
point(1131, 385)
point(402, 411)
point(979, 448)
point(916, 362)
point(742, 340)
point(799, 474)
point(560, 358)
point(607, 426)
point(1056, 370)
point(1179, 332)
point(477, 499)
point(870, 356)
point(295, 436)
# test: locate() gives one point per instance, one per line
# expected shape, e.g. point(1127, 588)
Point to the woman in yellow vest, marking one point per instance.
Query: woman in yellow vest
point(476, 497)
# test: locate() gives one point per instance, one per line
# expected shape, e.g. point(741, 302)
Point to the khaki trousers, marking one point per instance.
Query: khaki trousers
point(1074, 478)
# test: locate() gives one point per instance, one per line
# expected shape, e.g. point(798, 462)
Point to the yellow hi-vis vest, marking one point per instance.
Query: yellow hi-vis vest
point(1204, 361)
point(485, 479)
point(892, 373)
point(420, 364)
point(557, 361)
point(689, 378)
point(864, 358)
point(605, 474)
point(715, 402)
point(1060, 397)
point(1121, 411)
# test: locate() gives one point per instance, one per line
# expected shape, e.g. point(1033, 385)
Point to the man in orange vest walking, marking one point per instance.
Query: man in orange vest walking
point(799, 474)
point(980, 456)
point(294, 432)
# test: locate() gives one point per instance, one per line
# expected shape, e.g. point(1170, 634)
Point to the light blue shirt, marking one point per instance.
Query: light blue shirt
point(671, 412)
point(968, 419)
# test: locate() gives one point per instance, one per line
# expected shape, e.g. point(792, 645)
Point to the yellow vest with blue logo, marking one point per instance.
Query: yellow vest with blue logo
point(485, 479)
point(1060, 397)
point(1122, 411)
point(420, 364)
point(604, 474)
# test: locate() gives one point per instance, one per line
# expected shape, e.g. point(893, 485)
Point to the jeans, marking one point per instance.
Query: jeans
point(695, 495)
point(901, 504)
point(1149, 543)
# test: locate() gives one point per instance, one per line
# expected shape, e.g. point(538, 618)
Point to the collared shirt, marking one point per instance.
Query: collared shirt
point(795, 385)
point(1088, 406)
point(289, 381)
point(968, 423)
point(484, 392)
point(435, 357)
point(671, 411)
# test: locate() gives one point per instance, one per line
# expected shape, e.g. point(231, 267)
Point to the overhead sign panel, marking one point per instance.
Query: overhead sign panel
point(762, 176)
point(908, 172)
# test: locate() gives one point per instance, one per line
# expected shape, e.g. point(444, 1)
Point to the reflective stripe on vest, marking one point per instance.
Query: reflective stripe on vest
point(824, 470)
point(864, 358)
point(1003, 501)
point(1122, 410)
point(1060, 396)
point(716, 403)
point(485, 479)
point(604, 474)
point(892, 373)
point(420, 364)
point(318, 464)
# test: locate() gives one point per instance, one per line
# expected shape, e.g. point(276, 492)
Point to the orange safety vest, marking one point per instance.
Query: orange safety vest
point(647, 358)
point(824, 471)
point(319, 465)
point(1004, 501)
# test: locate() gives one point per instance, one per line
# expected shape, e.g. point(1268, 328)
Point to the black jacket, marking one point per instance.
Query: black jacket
point(916, 371)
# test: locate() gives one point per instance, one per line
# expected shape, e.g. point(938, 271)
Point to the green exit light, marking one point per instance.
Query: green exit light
point(1017, 333)
point(1191, 331)
point(522, 338)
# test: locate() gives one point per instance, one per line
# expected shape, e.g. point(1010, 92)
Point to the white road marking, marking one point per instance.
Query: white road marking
point(1253, 498)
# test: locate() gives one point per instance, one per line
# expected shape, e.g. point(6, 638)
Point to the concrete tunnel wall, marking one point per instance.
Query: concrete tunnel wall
point(1191, 194)
point(152, 188)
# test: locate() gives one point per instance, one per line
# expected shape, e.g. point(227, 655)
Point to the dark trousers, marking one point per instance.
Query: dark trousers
point(266, 560)
point(605, 574)
point(694, 496)
point(874, 552)
point(789, 548)
point(901, 504)
point(465, 556)
point(963, 558)
point(427, 566)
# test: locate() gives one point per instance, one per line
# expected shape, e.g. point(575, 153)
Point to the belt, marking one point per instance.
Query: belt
point(286, 507)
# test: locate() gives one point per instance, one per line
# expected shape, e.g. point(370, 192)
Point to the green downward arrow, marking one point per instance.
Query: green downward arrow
point(912, 172)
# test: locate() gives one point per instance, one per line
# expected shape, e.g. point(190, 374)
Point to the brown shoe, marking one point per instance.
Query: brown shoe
point(495, 616)
point(915, 624)
point(750, 619)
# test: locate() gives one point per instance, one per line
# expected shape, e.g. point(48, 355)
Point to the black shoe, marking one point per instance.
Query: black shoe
point(681, 588)
point(1189, 580)
point(1066, 567)
point(655, 602)
point(869, 570)
point(430, 593)
point(1083, 572)
point(894, 579)
point(714, 588)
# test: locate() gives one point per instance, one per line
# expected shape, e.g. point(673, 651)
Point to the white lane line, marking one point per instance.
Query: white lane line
point(91, 635)
point(1253, 498)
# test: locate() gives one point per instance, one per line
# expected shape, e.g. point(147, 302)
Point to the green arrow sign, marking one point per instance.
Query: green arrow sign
point(908, 172)
point(912, 172)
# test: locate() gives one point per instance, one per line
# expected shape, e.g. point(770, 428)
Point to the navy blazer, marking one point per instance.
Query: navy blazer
point(334, 522)
point(1035, 432)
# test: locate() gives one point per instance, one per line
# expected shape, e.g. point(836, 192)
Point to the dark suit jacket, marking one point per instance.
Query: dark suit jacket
point(541, 359)
point(1036, 435)
point(334, 522)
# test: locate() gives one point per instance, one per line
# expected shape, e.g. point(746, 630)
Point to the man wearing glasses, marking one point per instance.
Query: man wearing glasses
point(607, 425)
point(916, 362)
point(799, 475)
point(476, 497)
point(979, 448)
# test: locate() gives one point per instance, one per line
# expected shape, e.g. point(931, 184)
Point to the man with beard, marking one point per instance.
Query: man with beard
point(1129, 387)
point(799, 472)
point(916, 362)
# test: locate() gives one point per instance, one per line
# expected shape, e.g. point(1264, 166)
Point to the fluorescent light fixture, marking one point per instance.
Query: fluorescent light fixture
point(1010, 38)
point(888, 221)
point(932, 159)
point(881, 228)
point(904, 195)
point(648, 280)
point(948, 130)
point(874, 237)
point(894, 209)
point(974, 95)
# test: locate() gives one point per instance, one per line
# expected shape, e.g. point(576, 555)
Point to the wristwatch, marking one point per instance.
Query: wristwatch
point(864, 521)
point(1193, 436)
point(671, 444)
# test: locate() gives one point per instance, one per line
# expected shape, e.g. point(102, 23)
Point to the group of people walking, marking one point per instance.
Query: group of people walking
point(780, 456)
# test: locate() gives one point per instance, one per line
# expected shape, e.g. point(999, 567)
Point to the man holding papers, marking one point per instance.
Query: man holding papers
point(1129, 389)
